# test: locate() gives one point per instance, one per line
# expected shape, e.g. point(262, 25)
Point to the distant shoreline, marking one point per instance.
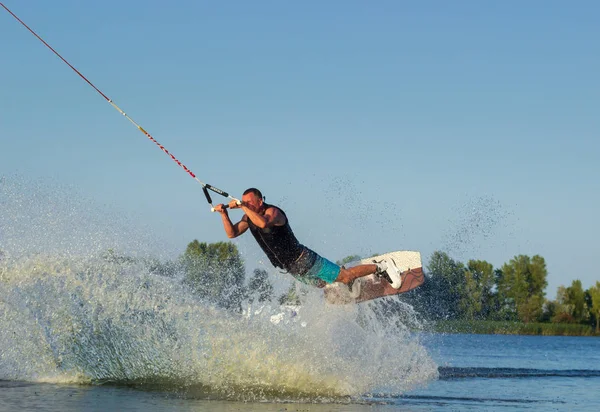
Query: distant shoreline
point(513, 328)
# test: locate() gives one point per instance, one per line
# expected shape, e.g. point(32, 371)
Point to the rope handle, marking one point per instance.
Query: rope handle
point(207, 187)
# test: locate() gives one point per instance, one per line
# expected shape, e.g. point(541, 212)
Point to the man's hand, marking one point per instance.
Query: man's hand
point(221, 208)
point(234, 204)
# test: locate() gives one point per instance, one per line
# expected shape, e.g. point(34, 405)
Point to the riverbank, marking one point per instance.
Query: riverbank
point(513, 328)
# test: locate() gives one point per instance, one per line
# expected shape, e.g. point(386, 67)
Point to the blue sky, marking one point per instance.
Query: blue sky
point(466, 126)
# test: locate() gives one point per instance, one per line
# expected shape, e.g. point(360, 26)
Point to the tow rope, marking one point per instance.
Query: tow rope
point(205, 187)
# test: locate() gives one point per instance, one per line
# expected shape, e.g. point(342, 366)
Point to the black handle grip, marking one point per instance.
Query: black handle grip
point(217, 190)
point(208, 199)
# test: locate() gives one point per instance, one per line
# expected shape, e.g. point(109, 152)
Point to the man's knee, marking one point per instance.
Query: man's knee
point(343, 276)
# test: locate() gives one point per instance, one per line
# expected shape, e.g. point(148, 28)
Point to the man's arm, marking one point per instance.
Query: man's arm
point(232, 230)
point(272, 217)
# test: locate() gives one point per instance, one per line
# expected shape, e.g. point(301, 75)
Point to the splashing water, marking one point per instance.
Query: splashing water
point(476, 220)
point(68, 315)
point(42, 217)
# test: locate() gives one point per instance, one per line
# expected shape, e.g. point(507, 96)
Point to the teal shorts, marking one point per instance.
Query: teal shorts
point(312, 269)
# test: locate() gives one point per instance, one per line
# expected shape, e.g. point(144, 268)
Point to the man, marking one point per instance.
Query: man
point(270, 227)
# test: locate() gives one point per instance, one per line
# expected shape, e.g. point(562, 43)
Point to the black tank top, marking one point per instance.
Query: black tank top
point(278, 242)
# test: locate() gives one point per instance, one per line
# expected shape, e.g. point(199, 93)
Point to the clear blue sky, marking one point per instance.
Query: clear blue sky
point(467, 126)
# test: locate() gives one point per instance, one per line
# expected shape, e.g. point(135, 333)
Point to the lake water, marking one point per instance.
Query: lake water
point(476, 372)
point(497, 372)
point(98, 342)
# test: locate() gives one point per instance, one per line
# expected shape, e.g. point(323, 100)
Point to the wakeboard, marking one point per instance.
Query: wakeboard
point(372, 286)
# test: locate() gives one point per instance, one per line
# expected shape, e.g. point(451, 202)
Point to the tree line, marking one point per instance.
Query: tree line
point(452, 291)
point(514, 292)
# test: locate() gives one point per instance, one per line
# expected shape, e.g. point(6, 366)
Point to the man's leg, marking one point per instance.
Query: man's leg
point(386, 268)
point(348, 275)
point(329, 272)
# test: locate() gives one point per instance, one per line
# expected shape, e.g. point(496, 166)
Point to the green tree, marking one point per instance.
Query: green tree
point(551, 309)
point(291, 297)
point(348, 259)
point(575, 299)
point(215, 272)
point(477, 297)
point(521, 285)
point(260, 287)
point(594, 292)
point(563, 310)
point(502, 307)
point(447, 285)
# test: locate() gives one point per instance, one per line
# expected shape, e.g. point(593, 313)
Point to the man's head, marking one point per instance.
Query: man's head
point(253, 199)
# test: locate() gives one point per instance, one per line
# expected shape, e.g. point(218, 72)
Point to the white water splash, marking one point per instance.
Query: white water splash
point(69, 315)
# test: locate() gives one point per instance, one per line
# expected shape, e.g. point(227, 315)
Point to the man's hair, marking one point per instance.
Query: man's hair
point(255, 191)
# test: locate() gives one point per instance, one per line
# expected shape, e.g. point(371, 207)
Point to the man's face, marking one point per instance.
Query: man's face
point(253, 202)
